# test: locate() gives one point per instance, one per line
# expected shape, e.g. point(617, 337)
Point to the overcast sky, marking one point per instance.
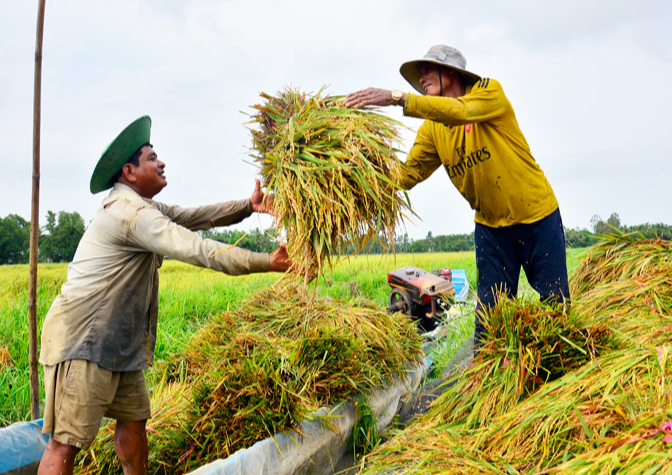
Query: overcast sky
point(590, 82)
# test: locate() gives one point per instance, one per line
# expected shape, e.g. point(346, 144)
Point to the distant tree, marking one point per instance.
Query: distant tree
point(614, 221)
point(46, 242)
point(421, 245)
point(402, 243)
point(453, 242)
point(652, 231)
point(430, 242)
point(63, 233)
point(609, 226)
point(14, 240)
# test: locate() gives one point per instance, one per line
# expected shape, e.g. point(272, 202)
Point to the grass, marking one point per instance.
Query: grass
point(188, 297)
point(14, 368)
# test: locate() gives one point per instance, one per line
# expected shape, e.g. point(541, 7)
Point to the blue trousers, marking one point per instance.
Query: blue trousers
point(539, 248)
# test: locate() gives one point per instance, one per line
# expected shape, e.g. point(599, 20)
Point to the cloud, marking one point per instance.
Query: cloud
point(588, 80)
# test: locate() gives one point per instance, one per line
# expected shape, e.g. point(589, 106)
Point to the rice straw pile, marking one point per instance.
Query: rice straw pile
point(333, 173)
point(530, 345)
point(622, 258)
point(265, 368)
point(589, 393)
point(627, 282)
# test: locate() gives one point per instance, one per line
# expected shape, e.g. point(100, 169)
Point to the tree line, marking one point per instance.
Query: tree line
point(57, 242)
point(573, 237)
point(60, 236)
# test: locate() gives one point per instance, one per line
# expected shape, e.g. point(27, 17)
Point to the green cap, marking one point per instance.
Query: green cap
point(118, 152)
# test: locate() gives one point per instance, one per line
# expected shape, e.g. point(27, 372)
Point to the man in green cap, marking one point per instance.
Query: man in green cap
point(470, 130)
point(100, 332)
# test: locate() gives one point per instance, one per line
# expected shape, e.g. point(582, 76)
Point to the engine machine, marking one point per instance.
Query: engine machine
point(421, 294)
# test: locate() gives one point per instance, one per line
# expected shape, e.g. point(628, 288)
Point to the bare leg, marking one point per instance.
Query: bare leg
point(130, 443)
point(58, 459)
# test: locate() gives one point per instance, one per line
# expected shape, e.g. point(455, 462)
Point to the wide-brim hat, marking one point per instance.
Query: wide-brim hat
point(118, 152)
point(442, 55)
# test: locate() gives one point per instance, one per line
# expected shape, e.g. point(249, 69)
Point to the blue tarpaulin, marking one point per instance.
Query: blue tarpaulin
point(21, 447)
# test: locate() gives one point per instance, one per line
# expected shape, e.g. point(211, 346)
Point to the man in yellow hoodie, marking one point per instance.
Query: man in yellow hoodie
point(471, 130)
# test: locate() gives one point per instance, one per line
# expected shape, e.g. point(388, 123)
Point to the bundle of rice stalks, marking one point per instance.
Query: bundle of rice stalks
point(247, 399)
point(598, 402)
point(626, 282)
point(621, 258)
point(286, 311)
point(529, 344)
point(639, 312)
point(601, 415)
point(644, 448)
point(333, 173)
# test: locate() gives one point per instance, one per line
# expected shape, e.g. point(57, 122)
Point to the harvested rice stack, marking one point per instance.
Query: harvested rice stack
point(622, 258)
point(599, 414)
point(286, 311)
point(601, 401)
point(639, 312)
point(640, 449)
point(290, 355)
point(627, 283)
point(333, 173)
point(264, 368)
point(529, 345)
point(612, 413)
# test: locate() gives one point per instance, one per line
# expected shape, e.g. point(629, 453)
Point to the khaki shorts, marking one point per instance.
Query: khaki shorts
point(79, 393)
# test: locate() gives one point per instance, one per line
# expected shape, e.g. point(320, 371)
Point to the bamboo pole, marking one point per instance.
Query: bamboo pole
point(34, 219)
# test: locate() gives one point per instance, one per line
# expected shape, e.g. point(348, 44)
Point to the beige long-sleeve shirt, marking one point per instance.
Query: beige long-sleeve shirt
point(107, 310)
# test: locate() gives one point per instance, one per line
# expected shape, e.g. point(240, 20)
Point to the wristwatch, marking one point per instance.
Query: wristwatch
point(396, 97)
